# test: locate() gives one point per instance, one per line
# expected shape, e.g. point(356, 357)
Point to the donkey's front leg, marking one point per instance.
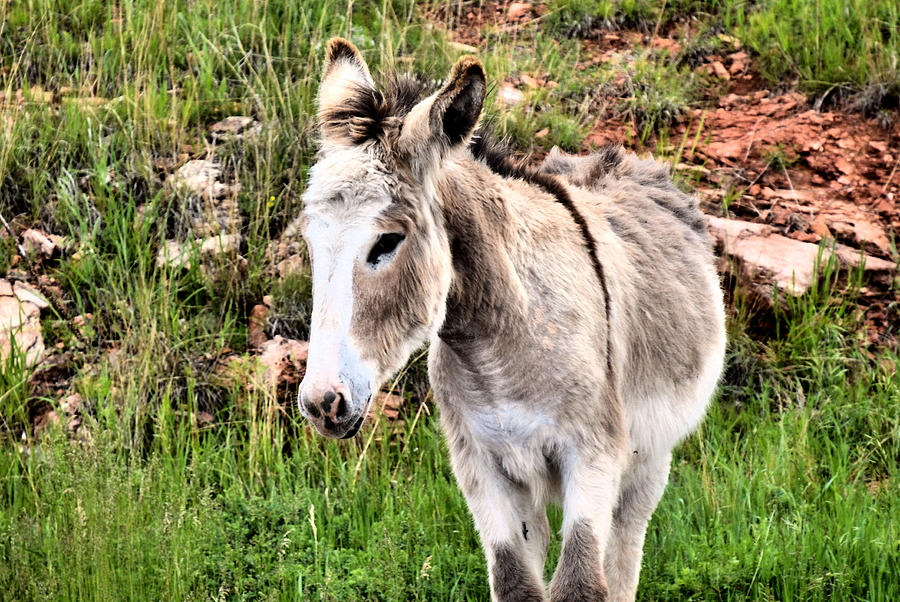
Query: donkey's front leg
point(512, 525)
point(590, 489)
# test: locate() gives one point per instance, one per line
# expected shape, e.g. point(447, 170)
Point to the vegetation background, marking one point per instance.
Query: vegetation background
point(788, 491)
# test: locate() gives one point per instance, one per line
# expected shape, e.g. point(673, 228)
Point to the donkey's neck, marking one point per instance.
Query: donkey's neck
point(485, 297)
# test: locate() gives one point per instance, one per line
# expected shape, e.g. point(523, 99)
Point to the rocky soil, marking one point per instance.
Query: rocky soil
point(777, 174)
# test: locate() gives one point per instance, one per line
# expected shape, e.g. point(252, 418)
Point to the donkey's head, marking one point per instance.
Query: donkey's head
point(381, 263)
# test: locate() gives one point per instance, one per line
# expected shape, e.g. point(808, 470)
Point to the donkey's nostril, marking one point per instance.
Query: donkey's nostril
point(327, 400)
point(342, 406)
point(310, 407)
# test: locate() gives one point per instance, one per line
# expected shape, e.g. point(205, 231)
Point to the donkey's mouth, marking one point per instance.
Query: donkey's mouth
point(351, 432)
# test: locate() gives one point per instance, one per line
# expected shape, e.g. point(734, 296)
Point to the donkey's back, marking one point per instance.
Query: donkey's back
point(668, 316)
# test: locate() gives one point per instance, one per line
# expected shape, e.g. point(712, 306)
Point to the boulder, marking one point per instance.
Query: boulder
point(765, 260)
point(20, 323)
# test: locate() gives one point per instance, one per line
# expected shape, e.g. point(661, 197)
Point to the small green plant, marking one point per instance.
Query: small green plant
point(656, 92)
point(780, 158)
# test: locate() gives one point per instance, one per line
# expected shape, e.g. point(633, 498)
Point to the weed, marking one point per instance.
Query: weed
point(656, 93)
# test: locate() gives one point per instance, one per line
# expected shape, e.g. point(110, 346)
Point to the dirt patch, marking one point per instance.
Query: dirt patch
point(810, 175)
point(465, 22)
point(815, 174)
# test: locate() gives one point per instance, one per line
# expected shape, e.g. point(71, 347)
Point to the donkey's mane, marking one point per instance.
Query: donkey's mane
point(366, 114)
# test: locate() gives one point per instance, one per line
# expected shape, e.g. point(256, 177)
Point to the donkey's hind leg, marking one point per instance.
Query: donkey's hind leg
point(642, 487)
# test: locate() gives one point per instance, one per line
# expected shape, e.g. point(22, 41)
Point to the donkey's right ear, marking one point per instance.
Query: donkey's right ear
point(346, 77)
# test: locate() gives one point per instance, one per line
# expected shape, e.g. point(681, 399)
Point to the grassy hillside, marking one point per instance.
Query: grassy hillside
point(787, 491)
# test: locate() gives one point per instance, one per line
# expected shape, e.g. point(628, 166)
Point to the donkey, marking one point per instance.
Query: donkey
point(573, 313)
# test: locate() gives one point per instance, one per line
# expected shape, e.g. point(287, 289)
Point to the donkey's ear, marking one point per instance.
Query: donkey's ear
point(346, 78)
point(457, 106)
point(449, 117)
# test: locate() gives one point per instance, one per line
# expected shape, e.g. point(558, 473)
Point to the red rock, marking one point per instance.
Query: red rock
point(810, 237)
point(731, 100)
point(36, 241)
point(256, 327)
point(820, 227)
point(388, 405)
point(284, 360)
point(731, 149)
point(517, 10)
point(862, 230)
point(44, 422)
point(200, 177)
point(737, 67)
point(20, 326)
point(884, 206)
point(666, 44)
point(173, 254)
point(233, 126)
point(807, 196)
point(82, 319)
point(27, 294)
point(529, 81)
point(766, 259)
point(509, 95)
point(221, 244)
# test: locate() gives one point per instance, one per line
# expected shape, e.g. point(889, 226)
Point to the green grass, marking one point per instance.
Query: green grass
point(580, 16)
point(786, 492)
point(827, 44)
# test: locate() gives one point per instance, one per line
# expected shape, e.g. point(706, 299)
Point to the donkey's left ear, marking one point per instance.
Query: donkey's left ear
point(449, 117)
point(457, 106)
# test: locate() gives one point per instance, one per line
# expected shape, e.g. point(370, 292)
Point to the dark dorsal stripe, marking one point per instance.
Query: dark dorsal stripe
point(552, 185)
point(496, 156)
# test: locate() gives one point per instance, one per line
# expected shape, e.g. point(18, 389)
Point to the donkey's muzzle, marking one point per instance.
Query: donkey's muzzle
point(330, 413)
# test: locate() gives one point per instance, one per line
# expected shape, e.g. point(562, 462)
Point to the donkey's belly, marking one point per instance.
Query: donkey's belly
point(664, 396)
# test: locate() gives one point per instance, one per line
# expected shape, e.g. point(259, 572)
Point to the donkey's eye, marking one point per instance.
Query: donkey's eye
point(384, 246)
